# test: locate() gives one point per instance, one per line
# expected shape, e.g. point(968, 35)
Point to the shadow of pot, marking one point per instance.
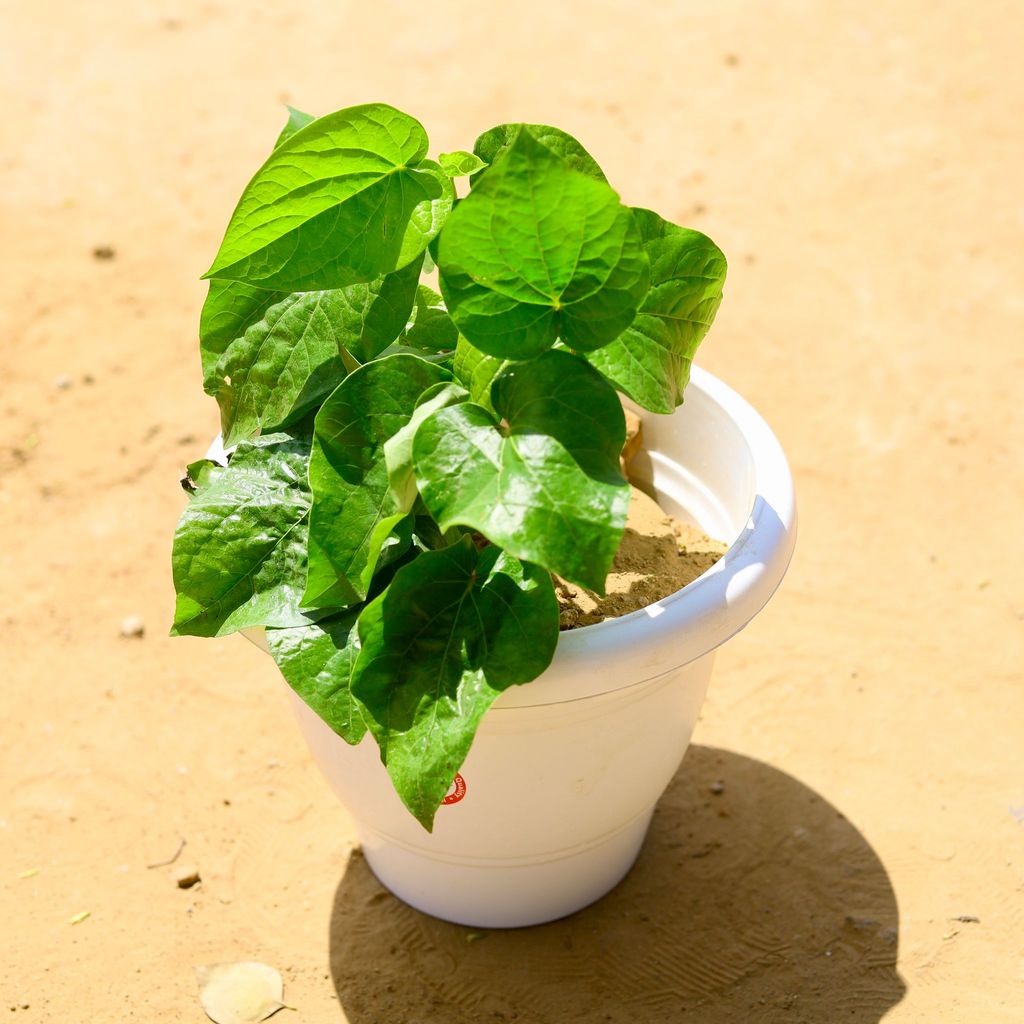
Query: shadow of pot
point(754, 899)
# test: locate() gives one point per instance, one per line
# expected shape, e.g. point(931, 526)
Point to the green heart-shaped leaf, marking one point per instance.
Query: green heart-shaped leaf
point(345, 199)
point(650, 361)
point(537, 252)
point(269, 356)
point(232, 307)
point(562, 396)
point(546, 486)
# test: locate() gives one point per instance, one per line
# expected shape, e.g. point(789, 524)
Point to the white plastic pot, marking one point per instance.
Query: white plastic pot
point(550, 809)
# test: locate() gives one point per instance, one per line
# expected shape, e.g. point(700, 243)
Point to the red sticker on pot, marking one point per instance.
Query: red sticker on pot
point(456, 791)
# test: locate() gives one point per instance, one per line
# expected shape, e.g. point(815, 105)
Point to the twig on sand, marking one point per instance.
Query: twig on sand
point(171, 859)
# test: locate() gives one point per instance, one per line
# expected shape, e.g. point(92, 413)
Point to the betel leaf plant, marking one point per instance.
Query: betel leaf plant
point(408, 469)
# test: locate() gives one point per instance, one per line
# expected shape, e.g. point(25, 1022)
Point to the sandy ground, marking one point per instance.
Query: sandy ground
point(861, 166)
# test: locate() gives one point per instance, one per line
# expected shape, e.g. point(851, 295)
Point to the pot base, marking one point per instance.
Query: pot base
point(507, 893)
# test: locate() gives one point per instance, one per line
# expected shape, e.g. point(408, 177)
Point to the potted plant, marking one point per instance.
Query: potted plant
point(408, 469)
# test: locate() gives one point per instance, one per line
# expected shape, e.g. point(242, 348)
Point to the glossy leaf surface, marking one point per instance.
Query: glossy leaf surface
point(650, 361)
point(545, 487)
point(454, 629)
point(287, 362)
point(239, 556)
point(344, 200)
point(373, 315)
point(539, 252)
point(317, 660)
point(353, 508)
point(282, 367)
point(398, 449)
point(230, 309)
point(476, 370)
point(430, 327)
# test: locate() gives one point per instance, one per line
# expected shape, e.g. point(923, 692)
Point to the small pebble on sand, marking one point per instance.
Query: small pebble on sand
point(187, 876)
point(132, 626)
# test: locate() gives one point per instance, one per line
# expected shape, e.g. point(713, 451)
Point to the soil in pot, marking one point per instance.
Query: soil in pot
point(658, 556)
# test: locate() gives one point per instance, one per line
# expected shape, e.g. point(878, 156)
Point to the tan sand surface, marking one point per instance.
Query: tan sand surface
point(861, 165)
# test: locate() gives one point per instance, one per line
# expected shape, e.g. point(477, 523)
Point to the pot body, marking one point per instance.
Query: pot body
point(552, 804)
point(549, 809)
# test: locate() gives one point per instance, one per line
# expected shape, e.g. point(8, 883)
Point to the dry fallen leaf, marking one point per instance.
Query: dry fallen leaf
point(242, 993)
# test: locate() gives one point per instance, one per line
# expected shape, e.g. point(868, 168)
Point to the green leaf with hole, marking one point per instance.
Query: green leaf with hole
point(239, 555)
point(200, 473)
point(650, 361)
point(354, 511)
point(546, 487)
point(318, 660)
point(539, 252)
point(344, 200)
point(454, 629)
